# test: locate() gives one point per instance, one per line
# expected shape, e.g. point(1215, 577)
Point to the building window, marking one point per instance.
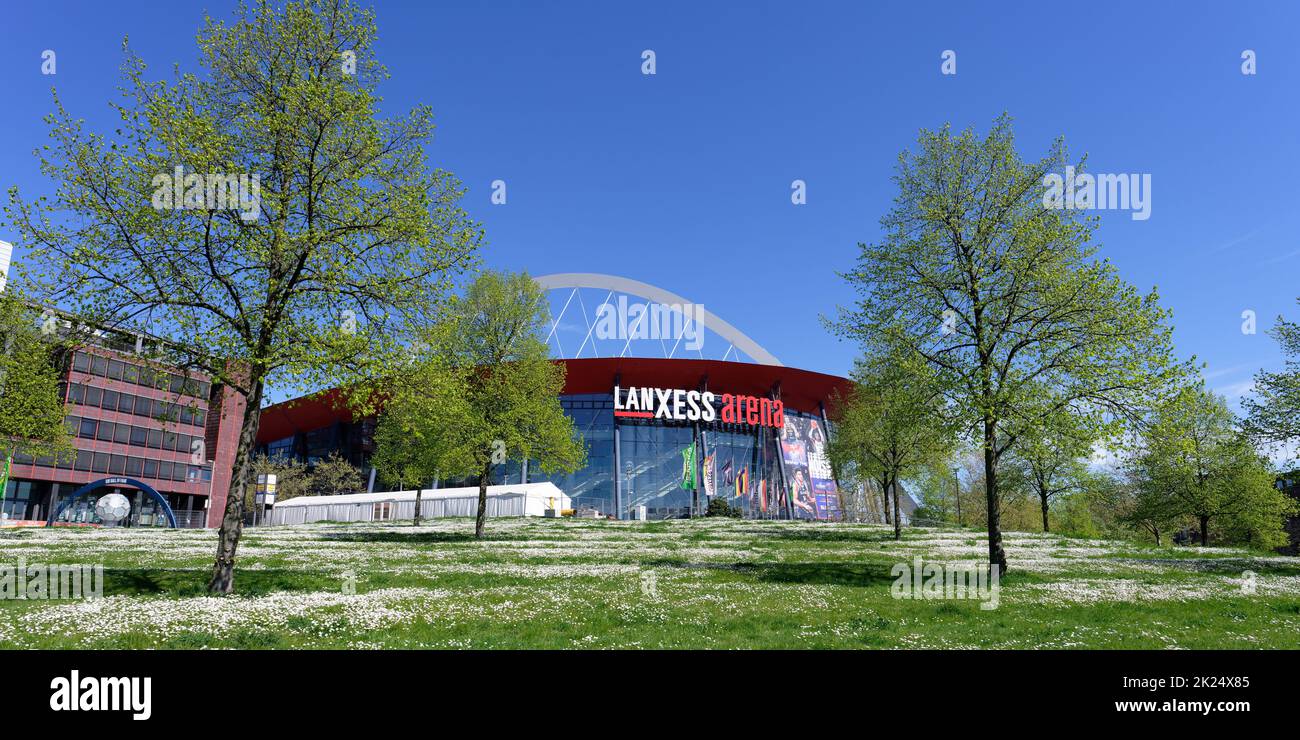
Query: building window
point(383, 511)
point(100, 462)
point(93, 395)
point(81, 362)
point(133, 465)
point(98, 365)
point(87, 429)
point(105, 432)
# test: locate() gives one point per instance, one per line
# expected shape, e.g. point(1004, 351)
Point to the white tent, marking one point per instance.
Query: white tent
point(520, 499)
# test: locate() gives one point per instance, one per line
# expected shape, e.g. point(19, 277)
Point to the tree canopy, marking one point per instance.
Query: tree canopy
point(261, 218)
point(1003, 297)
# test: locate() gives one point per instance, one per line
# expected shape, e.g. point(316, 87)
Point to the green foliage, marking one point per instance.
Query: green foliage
point(31, 406)
point(1274, 409)
point(1003, 299)
point(334, 475)
point(1051, 461)
point(487, 393)
point(890, 424)
point(1196, 462)
point(324, 278)
point(718, 506)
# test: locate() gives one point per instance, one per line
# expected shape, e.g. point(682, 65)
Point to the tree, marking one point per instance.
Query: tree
point(261, 218)
point(407, 447)
point(334, 475)
point(890, 425)
point(1195, 461)
point(1274, 410)
point(1002, 297)
point(1052, 461)
point(499, 397)
point(31, 403)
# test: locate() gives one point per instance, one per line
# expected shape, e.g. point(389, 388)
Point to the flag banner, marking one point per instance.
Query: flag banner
point(4, 481)
point(710, 476)
point(728, 475)
point(742, 482)
point(688, 467)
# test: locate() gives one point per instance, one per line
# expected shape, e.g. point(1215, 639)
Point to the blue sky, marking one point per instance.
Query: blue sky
point(682, 179)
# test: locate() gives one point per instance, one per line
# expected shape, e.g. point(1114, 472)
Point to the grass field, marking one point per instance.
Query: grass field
point(537, 583)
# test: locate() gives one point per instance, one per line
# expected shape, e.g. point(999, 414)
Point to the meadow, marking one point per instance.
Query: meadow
point(705, 583)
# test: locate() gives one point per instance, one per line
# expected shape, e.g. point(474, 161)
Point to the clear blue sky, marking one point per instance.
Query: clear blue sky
point(683, 179)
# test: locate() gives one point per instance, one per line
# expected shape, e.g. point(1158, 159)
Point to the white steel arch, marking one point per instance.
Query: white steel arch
point(615, 284)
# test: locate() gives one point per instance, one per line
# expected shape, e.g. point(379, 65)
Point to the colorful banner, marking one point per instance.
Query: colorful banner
point(808, 471)
point(710, 476)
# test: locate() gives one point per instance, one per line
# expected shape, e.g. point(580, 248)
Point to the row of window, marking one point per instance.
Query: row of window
point(103, 462)
point(158, 439)
point(89, 395)
point(140, 375)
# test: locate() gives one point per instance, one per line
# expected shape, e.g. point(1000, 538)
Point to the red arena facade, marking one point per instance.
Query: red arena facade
point(664, 437)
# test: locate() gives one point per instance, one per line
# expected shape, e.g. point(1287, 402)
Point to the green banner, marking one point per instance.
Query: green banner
point(688, 467)
point(4, 482)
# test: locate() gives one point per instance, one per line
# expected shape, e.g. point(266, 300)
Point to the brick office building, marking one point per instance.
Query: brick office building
point(129, 418)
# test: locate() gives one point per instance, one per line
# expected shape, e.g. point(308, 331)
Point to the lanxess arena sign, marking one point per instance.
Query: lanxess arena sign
point(677, 404)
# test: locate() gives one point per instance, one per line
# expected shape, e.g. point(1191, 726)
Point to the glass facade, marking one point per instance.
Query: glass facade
point(673, 469)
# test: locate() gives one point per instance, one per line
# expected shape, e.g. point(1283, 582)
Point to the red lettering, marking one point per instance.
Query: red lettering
point(728, 408)
point(751, 409)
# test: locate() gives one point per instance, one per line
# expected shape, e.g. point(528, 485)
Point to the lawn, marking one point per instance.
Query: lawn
point(539, 583)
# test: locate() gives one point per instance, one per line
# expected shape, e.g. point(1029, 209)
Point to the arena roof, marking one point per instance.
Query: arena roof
point(801, 390)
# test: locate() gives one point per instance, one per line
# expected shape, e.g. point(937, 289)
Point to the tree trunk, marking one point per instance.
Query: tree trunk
point(482, 500)
point(1156, 530)
point(997, 556)
point(232, 522)
point(898, 519)
point(1043, 499)
point(1205, 531)
point(884, 494)
point(418, 493)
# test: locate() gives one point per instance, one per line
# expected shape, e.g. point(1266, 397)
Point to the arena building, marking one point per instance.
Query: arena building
point(664, 435)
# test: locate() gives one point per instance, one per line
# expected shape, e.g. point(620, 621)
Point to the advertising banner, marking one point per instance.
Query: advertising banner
point(812, 485)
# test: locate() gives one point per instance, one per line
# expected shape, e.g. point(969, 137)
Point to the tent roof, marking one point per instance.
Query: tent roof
point(544, 489)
